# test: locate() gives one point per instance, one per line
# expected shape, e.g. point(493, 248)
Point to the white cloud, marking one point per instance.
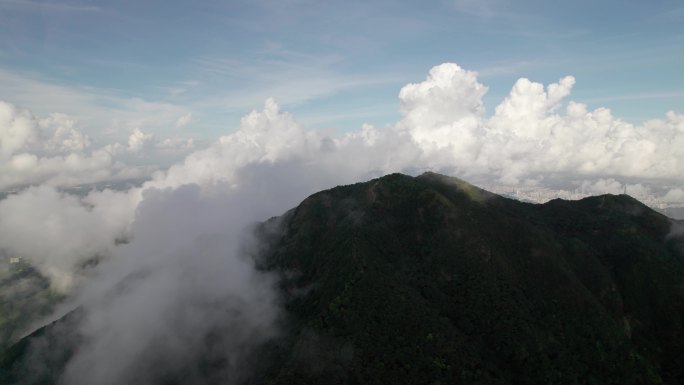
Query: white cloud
point(137, 140)
point(44, 6)
point(65, 136)
point(57, 232)
point(176, 144)
point(182, 279)
point(530, 137)
point(185, 226)
point(675, 195)
point(480, 8)
point(184, 120)
point(602, 186)
point(21, 131)
point(54, 151)
point(444, 128)
point(102, 113)
point(263, 136)
point(295, 77)
point(444, 110)
point(17, 129)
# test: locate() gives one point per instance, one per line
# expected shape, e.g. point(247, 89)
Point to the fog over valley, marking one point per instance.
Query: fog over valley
point(156, 268)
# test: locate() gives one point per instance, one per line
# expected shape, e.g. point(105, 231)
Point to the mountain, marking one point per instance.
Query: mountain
point(430, 280)
point(25, 297)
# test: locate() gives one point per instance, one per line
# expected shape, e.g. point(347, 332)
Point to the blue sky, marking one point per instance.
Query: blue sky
point(95, 92)
point(334, 65)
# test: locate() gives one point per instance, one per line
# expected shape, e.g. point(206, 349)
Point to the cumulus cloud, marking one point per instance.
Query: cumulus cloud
point(266, 136)
point(52, 150)
point(184, 120)
point(18, 129)
point(183, 273)
point(534, 134)
point(65, 137)
point(674, 195)
point(530, 139)
point(137, 140)
point(444, 110)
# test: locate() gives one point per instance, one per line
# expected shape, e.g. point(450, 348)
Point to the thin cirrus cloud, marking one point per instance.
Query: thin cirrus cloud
point(486, 8)
point(32, 5)
point(295, 77)
point(106, 110)
point(239, 53)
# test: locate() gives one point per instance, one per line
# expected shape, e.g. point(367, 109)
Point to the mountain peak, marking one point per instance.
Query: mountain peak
point(430, 279)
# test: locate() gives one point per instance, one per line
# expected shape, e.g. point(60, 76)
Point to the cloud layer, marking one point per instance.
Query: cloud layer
point(53, 151)
point(184, 273)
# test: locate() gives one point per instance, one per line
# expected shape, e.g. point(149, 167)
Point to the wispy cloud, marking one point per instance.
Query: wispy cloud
point(510, 67)
point(637, 96)
point(33, 5)
point(546, 34)
point(480, 8)
point(100, 110)
point(670, 15)
point(271, 61)
point(292, 90)
point(293, 77)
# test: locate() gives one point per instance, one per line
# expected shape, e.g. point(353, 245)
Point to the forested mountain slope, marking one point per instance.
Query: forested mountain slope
point(430, 280)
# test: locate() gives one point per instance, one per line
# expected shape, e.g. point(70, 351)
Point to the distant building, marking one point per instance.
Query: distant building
point(15, 260)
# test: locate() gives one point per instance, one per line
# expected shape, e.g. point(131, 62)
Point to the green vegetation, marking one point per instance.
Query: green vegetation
point(429, 280)
point(25, 297)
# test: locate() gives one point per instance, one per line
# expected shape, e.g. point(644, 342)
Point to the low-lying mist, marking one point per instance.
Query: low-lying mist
point(163, 274)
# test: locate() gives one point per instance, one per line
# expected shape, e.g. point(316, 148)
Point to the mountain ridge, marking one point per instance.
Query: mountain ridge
point(519, 240)
point(430, 279)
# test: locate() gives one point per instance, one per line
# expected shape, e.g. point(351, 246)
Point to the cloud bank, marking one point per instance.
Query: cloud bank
point(532, 135)
point(184, 273)
point(54, 151)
